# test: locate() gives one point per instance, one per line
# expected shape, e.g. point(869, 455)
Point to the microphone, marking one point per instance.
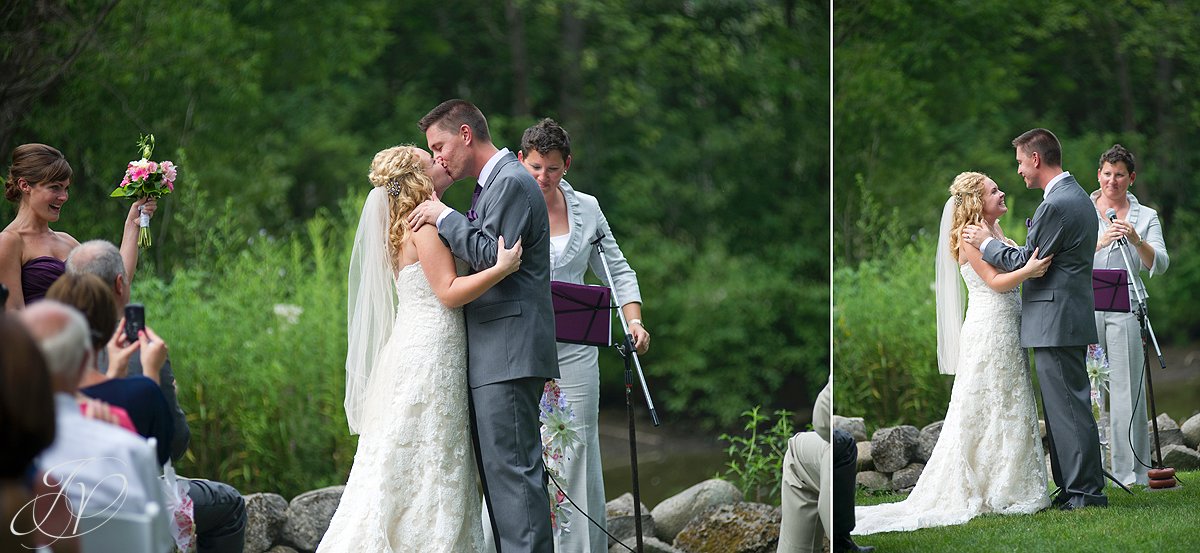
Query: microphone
point(1112, 217)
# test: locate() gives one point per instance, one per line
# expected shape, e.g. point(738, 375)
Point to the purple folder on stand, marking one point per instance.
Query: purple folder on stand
point(581, 313)
point(1111, 288)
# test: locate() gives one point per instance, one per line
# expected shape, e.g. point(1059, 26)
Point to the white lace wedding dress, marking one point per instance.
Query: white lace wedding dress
point(989, 457)
point(413, 483)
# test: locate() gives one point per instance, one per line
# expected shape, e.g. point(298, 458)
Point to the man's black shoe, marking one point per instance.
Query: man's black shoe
point(842, 544)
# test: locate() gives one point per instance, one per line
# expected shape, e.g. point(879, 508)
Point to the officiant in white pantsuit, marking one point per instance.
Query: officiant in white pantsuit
point(574, 219)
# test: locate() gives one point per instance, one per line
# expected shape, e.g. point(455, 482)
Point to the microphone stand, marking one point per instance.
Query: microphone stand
point(1161, 477)
point(629, 354)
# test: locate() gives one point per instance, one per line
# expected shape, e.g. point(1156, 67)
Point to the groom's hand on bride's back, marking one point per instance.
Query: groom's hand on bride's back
point(425, 213)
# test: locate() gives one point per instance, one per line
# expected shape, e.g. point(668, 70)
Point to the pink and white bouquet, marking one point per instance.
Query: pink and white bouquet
point(559, 437)
point(145, 178)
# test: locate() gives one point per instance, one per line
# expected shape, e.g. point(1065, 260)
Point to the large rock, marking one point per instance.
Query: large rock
point(854, 425)
point(895, 447)
point(873, 480)
point(1168, 432)
point(905, 478)
point(308, 517)
point(928, 439)
point(1191, 432)
point(281, 549)
point(650, 544)
point(675, 512)
point(621, 522)
point(734, 528)
point(1180, 457)
point(865, 460)
point(265, 515)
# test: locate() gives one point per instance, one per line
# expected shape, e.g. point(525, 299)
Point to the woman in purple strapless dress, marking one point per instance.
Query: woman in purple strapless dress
point(32, 255)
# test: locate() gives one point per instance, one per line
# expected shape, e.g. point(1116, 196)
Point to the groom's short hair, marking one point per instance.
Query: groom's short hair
point(452, 114)
point(1044, 143)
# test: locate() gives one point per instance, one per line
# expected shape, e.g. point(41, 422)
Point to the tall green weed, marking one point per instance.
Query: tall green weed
point(257, 333)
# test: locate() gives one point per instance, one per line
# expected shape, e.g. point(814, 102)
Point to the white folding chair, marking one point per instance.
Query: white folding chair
point(123, 533)
point(145, 532)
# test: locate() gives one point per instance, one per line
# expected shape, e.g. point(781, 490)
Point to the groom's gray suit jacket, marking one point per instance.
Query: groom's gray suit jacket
point(510, 353)
point(510, 328)
point(1058, 308)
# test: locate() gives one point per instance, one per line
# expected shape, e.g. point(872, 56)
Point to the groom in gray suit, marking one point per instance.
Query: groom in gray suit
point(1057, 313)
point(510, 328)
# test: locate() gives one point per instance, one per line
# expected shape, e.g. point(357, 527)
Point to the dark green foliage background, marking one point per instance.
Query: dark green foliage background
point(926, 90)
point(702, 127)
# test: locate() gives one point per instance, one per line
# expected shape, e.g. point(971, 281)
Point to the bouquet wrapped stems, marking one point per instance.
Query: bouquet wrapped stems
point(146, 179)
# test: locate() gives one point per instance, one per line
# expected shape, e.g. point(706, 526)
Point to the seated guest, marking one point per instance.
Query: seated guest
point(809, 481)
point(27, 429)
point(139, 396)
point(220, 511)
point(102, 467)
point(102, 259)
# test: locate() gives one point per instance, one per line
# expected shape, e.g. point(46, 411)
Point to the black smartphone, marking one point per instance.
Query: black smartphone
point(135, 320)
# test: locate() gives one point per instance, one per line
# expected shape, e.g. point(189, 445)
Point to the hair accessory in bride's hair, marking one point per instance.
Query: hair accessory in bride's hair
point(957, 199)
point(393, 187)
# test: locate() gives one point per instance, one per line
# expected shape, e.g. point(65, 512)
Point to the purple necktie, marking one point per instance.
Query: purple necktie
point(471, 215)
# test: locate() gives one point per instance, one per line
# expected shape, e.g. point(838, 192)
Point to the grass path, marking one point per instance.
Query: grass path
point(1150, 521)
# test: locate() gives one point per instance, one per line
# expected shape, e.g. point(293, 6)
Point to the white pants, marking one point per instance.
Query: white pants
point(1120, 336)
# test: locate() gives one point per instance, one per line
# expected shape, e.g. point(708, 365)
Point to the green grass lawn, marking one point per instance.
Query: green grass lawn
point(1151, 521)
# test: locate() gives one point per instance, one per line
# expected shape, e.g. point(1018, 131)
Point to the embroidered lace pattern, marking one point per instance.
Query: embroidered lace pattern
point(989, 456)
point(413, 483)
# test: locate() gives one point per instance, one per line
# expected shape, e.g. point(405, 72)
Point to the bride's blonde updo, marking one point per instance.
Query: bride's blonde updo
point(967, 194)
point(400, 171)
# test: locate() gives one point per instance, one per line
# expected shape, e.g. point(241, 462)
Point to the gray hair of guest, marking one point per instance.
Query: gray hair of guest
point(61, 333)
point(97, 257)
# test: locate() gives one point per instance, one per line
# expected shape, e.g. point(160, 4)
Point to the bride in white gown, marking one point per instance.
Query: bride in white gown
point(989, 456)
point(413, 483)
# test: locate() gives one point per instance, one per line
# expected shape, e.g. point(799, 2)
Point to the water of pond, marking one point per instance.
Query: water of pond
point(1177, 388)
point(671, 457)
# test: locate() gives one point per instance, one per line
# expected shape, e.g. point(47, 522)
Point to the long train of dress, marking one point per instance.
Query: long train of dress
point(413, 484)
point(989, 456)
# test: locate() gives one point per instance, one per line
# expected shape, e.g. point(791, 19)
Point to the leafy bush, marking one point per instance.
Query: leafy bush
point(257, 334)
point(885, 339)
point(731, 331)
point(1174, 295)
point(756, 460)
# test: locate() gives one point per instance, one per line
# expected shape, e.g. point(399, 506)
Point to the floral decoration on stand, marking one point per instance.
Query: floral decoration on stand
point(559, 438)
point(1098, 374)
point(145, 178)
